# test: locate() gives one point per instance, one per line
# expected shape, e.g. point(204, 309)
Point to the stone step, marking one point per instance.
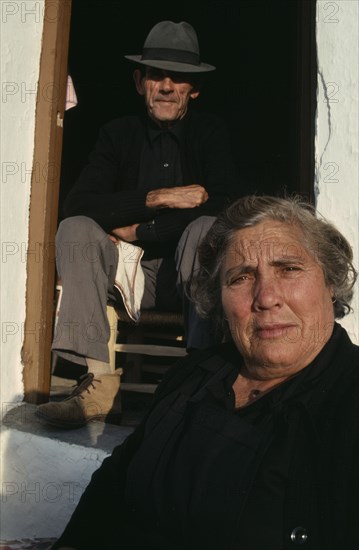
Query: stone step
point(45, 471)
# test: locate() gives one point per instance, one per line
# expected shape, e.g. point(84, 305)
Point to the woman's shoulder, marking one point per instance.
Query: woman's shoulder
point(198, 366)
point(347, 354)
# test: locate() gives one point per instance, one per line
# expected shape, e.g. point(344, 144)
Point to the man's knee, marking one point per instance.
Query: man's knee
point(195, 232)
point(78, 230)
point(186, 252)
point(75, 226)
point(199, 227)
point(81, 237)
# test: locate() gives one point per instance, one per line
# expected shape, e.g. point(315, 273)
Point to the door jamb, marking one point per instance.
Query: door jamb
point(45, 182)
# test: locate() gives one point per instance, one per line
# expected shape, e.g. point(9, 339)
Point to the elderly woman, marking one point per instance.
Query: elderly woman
point(251, 445)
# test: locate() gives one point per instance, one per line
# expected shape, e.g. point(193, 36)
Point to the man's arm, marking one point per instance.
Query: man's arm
point(189, 196)
point(106, 189)
point(207, 161)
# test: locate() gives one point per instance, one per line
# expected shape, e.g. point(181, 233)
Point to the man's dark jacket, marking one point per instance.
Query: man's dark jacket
point(311, 444)
point(108, 192)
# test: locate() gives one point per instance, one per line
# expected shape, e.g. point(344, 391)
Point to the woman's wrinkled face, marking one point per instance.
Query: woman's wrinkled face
point(166, 94)
point(275, 298)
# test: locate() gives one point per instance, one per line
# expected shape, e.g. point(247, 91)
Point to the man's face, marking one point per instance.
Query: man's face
point(166, 94)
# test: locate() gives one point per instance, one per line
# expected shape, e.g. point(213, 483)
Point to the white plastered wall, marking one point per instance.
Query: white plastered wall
point(21, 34)
point(336, 143)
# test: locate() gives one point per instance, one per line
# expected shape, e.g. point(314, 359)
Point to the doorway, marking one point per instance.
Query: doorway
point(264, 85)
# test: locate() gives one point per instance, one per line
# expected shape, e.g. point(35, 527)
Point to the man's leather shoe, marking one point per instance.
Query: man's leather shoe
point(94, 398)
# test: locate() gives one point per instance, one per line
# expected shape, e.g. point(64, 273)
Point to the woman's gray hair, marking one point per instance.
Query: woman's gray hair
point(322, 240)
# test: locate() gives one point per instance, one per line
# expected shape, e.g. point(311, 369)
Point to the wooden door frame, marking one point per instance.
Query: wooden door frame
point(45, 182)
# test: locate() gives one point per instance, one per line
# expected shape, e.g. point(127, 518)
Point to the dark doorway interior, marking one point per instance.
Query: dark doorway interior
point(264, 61)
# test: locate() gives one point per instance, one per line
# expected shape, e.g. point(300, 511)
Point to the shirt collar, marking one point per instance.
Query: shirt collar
point(153, 131)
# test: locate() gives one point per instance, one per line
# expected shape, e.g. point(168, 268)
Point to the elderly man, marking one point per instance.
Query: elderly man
point(153, 185)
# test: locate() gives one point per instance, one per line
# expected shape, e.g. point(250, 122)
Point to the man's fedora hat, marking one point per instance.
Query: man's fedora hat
point(172, 47)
